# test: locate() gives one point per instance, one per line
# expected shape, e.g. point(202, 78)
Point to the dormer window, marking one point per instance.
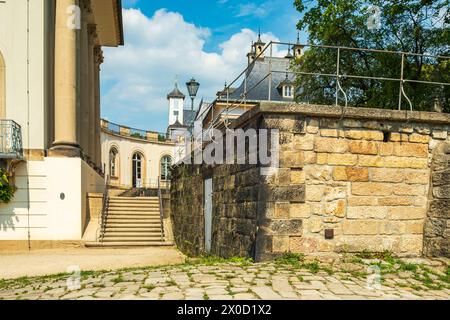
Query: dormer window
point(288, 91)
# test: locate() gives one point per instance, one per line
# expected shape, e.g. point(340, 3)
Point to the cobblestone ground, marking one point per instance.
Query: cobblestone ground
point(239, 281)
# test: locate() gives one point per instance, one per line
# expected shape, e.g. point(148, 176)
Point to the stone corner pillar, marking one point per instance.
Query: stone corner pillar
point(66, 99)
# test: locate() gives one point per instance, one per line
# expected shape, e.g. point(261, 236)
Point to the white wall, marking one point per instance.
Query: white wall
point(176, 104)
point(13, 45)
point(152, 151)
point(50, 217)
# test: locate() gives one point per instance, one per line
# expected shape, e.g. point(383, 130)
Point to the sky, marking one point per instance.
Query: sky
point(169, 40)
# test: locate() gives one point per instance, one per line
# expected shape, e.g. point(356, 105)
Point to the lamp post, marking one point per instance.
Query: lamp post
point(192, 87)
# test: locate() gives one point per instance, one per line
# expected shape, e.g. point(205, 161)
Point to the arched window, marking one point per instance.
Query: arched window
point(2, 88)
point(166, 163)
point(113, 162)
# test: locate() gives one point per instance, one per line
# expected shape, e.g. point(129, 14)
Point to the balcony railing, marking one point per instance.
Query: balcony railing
point(10, 140)
point(134, 133)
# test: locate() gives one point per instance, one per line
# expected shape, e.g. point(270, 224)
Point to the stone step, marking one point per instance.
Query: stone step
point(148, 212)
point(137, 230)
point(108, 238)
point(134, 198)
point(127, 244)
point(131, 224)
point(123, 234)
point(140, 217)
point(133, 205)
point(134, 201)
point(128, 209)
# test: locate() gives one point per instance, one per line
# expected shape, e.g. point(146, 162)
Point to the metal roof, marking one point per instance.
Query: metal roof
point(176, 93)
point(259, 70)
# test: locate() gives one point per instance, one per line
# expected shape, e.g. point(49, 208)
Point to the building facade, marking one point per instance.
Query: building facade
point(50, 111)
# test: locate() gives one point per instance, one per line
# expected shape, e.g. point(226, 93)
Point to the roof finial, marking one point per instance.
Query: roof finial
point(259, 34)
point(176, 81)
point(298, 37)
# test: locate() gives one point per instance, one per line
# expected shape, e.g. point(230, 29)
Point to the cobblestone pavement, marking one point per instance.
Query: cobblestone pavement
point(225, 281)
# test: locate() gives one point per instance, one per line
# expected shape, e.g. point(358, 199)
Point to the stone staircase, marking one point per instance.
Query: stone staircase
point(133, 221)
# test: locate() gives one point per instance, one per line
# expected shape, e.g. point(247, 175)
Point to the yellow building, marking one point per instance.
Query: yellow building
point(50, 114)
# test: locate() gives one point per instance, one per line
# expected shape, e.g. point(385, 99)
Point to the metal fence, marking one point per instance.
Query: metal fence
point(10, 140)
point(342, 94)
point(135, 133)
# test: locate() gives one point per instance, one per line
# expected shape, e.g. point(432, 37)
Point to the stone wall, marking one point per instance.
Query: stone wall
point(346, 182)
point(437, 227)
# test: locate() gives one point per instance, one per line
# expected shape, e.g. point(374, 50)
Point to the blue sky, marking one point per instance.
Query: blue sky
point(169, 39)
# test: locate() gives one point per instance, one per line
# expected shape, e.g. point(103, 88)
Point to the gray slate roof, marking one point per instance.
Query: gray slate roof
point(189, 117)
point(259, 70)
point(176, 93)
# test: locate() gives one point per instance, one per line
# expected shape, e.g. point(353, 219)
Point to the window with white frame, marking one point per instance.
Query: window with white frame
point(288, 91)
point(166, 163)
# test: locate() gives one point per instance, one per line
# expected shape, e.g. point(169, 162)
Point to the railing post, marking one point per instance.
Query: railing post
point(270, 71)
point(401, 83)
point(337, 75)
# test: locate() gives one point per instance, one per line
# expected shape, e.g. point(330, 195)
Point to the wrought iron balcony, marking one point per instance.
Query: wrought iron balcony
point(10, 140)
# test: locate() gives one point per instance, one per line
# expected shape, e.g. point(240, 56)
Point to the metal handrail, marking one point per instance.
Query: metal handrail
point(161, 210)
point(243, 97)
point(104, 213)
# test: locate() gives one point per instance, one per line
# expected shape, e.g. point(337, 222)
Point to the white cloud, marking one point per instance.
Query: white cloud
point(252, 9)
point(139, 75)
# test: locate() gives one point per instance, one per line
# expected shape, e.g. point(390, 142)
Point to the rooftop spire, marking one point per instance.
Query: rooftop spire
point(298, 37)
point(259, 35)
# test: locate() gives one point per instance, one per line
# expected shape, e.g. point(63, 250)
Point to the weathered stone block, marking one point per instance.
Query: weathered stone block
point(290, 226)
point(350, 174)
point(302, 245)
point(441, 178)
point(406, 213)
point(291, 159)
point(410, 190)
point(282, 210)
point(414, 227)
point(364, 134)
point(280, 243)
point(300, 210)
point(294, 193)
point(386, 148)
point(297, 176)
point(392, 227)
point(411, 150)
point(361, 201)
point(439, 208)
point(304, 142)
point(370, 161)
point(405, 162)
point(341, 159)
point(372, 189)
point(399, 137)
point(336, 208)
point(387, 175)
point(395, 201)
point(411, 244)
point(315, 192)
point(442, 192)
point(419, 138)
point(314, 224)
point(360, 227)
point(440, 135)
point(363, 147)
point(363, 212)
point(417, 176)
point(330, 145)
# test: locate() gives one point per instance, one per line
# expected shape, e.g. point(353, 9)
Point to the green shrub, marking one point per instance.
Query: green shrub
point(6, 190)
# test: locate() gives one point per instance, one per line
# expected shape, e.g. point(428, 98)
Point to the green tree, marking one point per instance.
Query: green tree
point(416, 26)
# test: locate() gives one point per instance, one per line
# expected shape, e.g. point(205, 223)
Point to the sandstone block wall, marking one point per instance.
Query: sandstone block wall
point(371, 180)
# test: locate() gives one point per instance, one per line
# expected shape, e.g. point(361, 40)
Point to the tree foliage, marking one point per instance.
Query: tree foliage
point(415, 26)
point(6, 190)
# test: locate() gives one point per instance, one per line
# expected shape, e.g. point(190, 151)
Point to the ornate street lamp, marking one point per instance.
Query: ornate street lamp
point(192, 87)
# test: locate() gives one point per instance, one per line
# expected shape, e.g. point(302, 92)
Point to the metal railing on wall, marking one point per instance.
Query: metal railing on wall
point(343, 93)
point(10, 140)
point(135, 133)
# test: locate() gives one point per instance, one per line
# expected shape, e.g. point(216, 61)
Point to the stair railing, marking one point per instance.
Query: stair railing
point(104, 214)
point(161, 209)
